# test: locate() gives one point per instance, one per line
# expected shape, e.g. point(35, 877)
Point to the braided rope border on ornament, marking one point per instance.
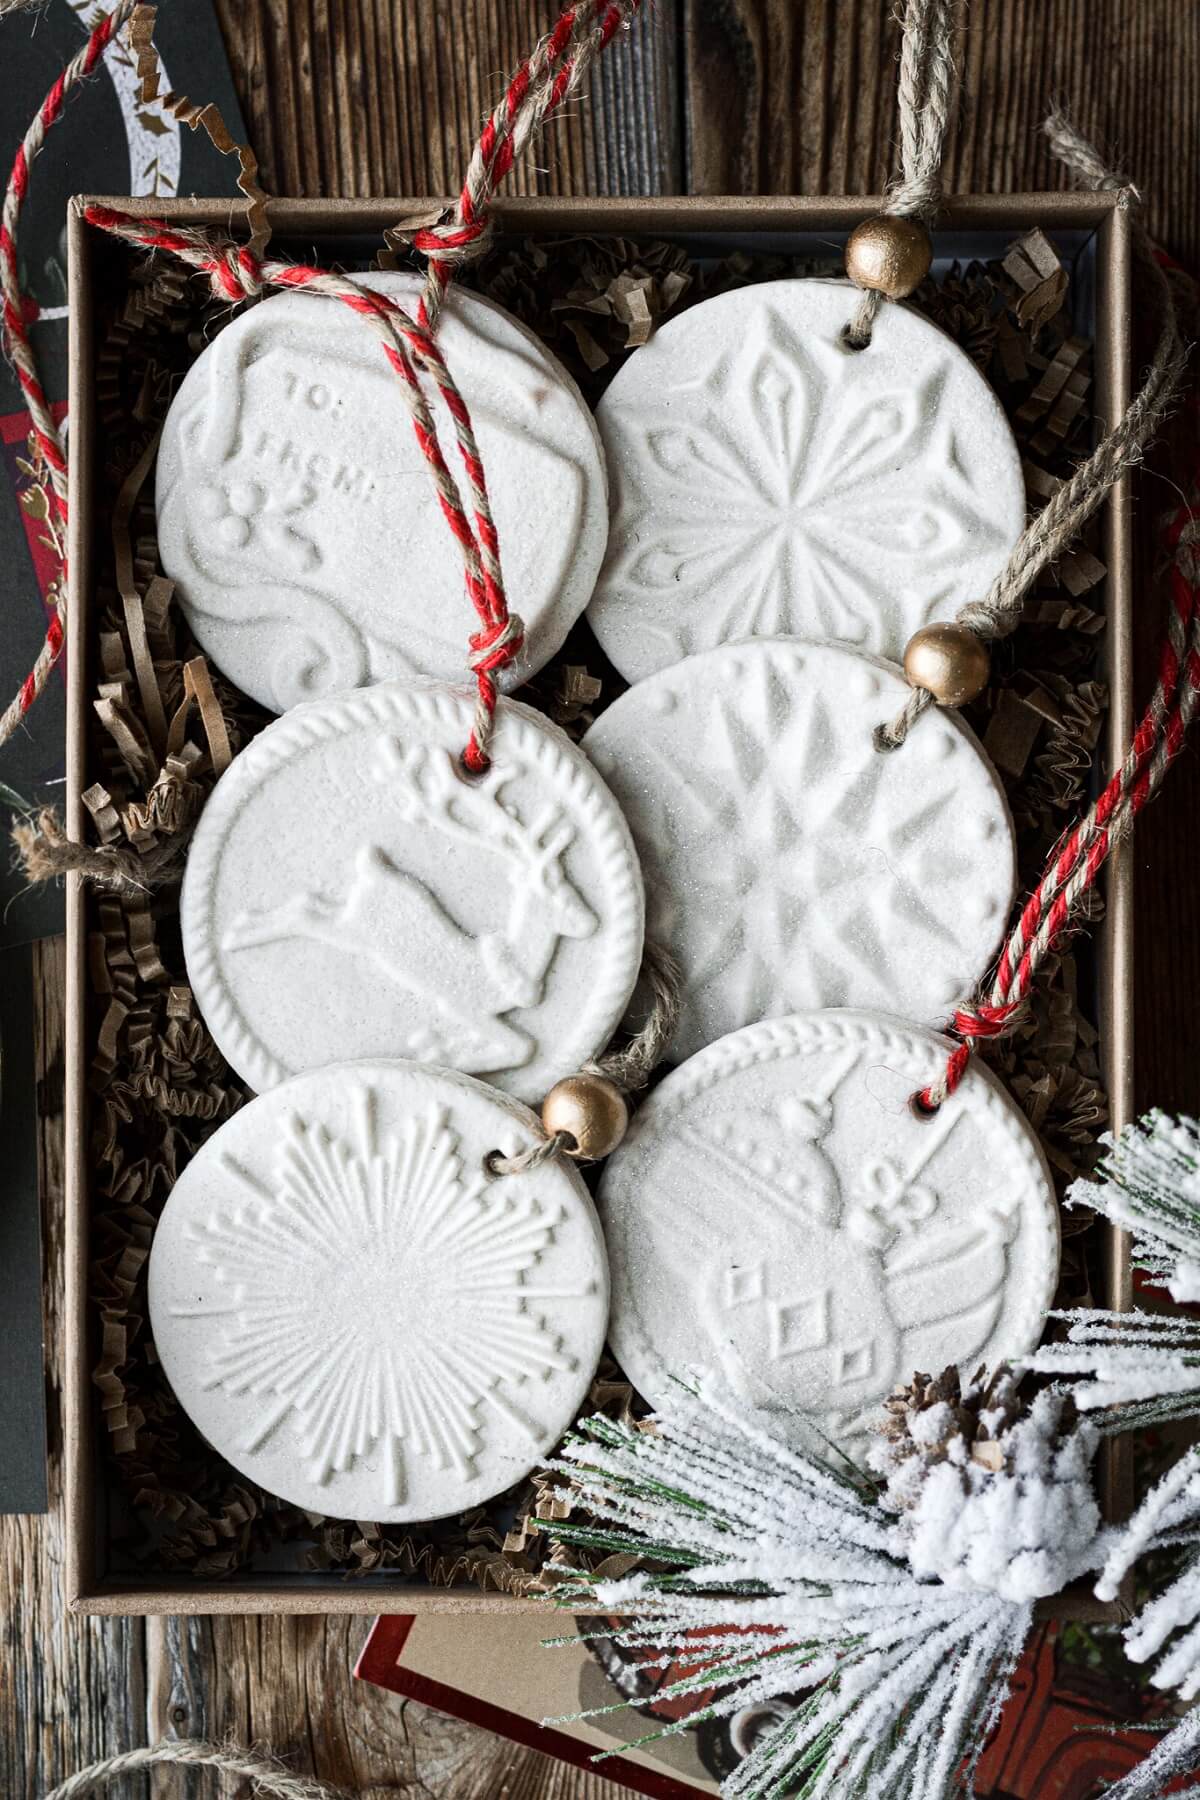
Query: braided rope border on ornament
point(919, 1050)
point(540, 744)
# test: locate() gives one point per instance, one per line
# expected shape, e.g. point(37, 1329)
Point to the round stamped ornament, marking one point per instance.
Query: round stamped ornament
point(779, 1214)
point(298, 521)
point(356, 1315)
point(768, 481)
point(790, 864)
point(351, 892)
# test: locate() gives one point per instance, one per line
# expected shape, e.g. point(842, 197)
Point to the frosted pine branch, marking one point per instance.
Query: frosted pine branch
point(1176, 1754)
point(1142, 1368)
point(1168, 1626)
point(799, 1583)
point(1150, 1186)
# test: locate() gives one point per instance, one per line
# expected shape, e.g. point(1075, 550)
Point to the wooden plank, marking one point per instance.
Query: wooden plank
point(799, 96)
point(376, 97)
point(286, 1682)
point(70, 1688)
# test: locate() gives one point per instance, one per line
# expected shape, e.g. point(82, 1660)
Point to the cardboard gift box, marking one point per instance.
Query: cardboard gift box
point(1090, 232)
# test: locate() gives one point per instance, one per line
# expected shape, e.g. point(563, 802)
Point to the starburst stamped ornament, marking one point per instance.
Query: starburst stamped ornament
point(779, 1214)
point(297, 519)
point(360, 1318)
point(789, 863)
point(351, 891)
point(768, 481)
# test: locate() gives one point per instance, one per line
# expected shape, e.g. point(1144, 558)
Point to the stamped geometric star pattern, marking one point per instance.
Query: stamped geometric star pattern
point(789, 864)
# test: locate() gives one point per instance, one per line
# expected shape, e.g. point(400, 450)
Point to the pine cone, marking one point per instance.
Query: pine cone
point(933, 1420)
point(992, 1491)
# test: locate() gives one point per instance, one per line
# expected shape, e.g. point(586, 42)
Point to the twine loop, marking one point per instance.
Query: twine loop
point(497, 644)
point(1069, 147)
point(235, 274)
point(524, 1162)
point(453, 241)
point(628, 1068)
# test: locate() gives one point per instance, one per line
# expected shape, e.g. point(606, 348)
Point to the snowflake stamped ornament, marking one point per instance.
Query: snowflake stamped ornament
point(780, 1214)
point(768, 481)
point(352, 892)
point(790, 864)
point(361, 1319)
point(296, 515)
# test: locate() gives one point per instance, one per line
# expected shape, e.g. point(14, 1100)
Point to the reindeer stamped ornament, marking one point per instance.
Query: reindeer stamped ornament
point(297, 519)
point(357, 1315)
point(352, 891)
point(768, 480)
point(835, 1239)
point(789, 863)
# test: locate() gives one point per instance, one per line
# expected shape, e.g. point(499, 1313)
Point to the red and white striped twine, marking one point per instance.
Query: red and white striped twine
point(538, 89)
point(1082, 852)
point(236, 274)
point(17, 339)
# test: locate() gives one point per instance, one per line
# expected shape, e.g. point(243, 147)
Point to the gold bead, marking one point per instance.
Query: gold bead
point(949, 660)
point(889, 254)
point(589, 1108)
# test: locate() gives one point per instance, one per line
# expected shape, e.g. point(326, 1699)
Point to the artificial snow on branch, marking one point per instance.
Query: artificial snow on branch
point(1168, 1626)
point(1141, 1367)
point(772, 1576)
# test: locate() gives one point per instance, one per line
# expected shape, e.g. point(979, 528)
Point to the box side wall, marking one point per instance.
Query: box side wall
point(78, 1429)
point(1114, 327)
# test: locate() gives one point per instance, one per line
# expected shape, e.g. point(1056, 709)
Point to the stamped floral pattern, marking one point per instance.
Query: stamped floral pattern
point(770, 482)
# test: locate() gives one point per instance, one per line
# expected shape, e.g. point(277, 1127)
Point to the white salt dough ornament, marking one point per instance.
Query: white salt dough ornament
point(351, 892)
point(767, 481)
point(778, 1213)
point(299, 521)
point(789, 864)
point(356, 1315)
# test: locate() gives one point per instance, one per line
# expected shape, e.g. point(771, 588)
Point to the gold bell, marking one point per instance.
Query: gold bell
point(591, 1110)
point(949, 660)
point(890, 255)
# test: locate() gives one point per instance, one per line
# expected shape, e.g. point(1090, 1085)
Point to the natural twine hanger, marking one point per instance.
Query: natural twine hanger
point(893, 267)
point(925, 81)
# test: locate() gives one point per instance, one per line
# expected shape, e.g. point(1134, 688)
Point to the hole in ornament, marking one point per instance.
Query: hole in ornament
point(921, 1108)
point(490, 1161)
point(847, 340)
point(468, 774)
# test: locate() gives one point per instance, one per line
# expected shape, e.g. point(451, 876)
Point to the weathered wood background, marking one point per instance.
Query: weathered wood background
point(384, 96)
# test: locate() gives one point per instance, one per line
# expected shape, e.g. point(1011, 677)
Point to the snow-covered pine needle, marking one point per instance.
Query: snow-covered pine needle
point(1150, 1186)
point(773, 1578)
point(1142, 1368)
point(1176, 1754)
point(1168, 1516)
point(1168, 1626)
